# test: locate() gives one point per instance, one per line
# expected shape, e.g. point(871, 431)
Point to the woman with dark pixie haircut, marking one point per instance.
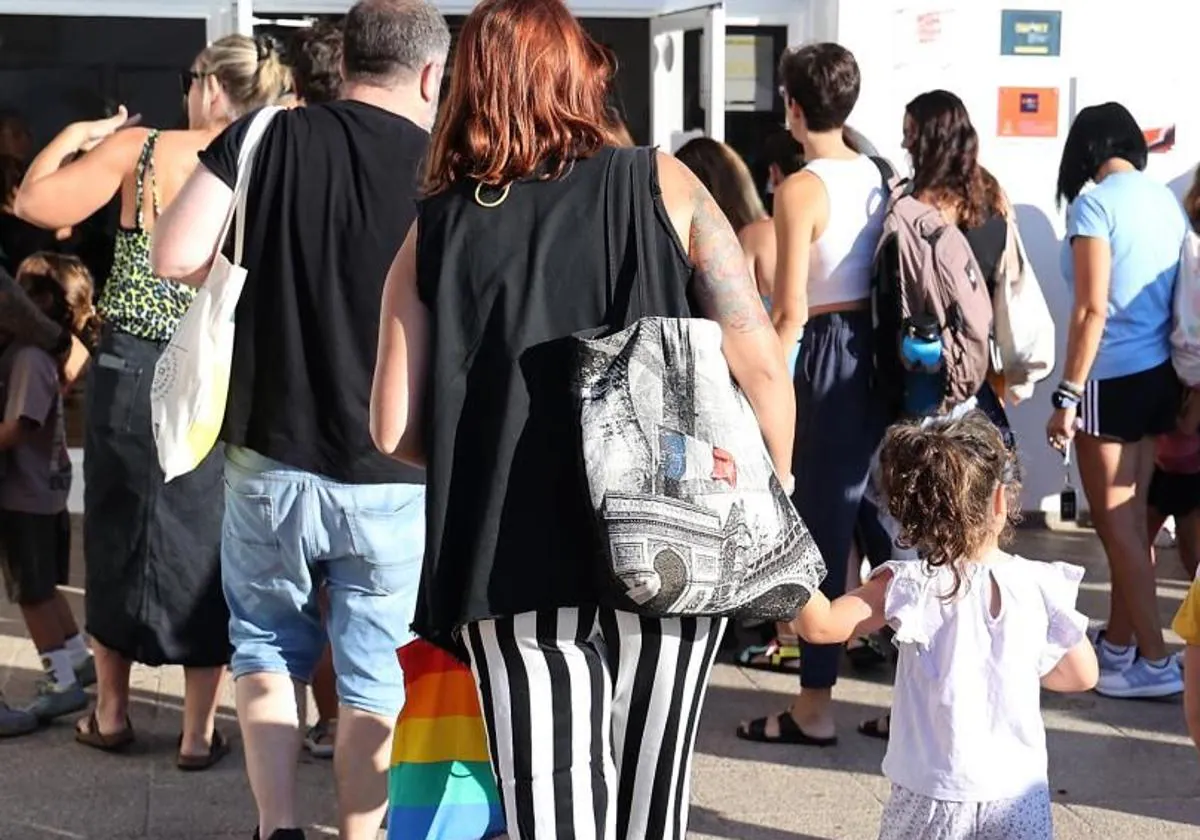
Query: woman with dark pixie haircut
point(828, 220)
point(533, 222)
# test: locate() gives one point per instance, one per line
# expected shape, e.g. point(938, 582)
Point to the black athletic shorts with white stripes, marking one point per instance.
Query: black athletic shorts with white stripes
point(1129, 408)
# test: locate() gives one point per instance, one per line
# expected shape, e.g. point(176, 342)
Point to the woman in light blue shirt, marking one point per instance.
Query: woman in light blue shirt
point(1119, 391)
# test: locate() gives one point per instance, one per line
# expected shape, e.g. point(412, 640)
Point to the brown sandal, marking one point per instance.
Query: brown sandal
point(91, 736)
point(218, 749)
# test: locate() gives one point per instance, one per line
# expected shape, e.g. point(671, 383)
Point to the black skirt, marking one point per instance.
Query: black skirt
point(152, 550)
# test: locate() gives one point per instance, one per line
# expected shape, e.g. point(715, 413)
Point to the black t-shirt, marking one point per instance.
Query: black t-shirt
point(987, 243)
point(331, 199)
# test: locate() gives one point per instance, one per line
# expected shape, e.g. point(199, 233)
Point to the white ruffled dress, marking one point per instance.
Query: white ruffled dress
point(966, 725)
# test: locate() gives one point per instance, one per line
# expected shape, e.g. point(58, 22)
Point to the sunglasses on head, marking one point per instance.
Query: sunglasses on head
point(189, 77)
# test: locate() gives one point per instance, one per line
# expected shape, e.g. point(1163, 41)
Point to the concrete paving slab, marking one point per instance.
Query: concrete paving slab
point(1117, 769)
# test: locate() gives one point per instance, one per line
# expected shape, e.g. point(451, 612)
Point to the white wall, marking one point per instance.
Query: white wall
point(1141, 54)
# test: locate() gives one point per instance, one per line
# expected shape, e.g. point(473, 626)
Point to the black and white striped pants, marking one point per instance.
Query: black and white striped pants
point(591, 717)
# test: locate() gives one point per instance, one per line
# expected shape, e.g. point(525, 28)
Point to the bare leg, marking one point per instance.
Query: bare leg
point(112, 690)
point(66, 618)
point(324, 687)
point(1187, 532)
point(813, 712)
point(360, 764)
point(201, 693)
point(268, 709)
point(324, 681)
point(44, 625)
point(1116, 477)
point(1154, 522)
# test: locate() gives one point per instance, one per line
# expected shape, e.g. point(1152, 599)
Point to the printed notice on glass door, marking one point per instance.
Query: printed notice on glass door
point(1028, 112)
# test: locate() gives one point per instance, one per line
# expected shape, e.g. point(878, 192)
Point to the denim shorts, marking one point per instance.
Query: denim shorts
point(286, 533)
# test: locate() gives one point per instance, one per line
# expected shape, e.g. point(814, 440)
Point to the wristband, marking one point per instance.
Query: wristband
point(1063, 399)
point(1071, 388)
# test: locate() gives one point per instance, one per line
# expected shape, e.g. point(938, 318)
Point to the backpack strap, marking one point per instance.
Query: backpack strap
point(893, 184)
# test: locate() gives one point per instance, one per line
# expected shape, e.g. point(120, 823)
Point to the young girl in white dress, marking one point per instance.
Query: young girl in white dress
point(980, 633)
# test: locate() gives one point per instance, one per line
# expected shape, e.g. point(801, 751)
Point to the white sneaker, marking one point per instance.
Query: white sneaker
point(1165, 538)
point(1141, 680)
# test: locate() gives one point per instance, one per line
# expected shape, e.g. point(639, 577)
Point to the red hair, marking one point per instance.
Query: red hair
point(528, 95)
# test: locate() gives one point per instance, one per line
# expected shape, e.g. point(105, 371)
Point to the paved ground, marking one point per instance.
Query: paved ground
point(1118, 770)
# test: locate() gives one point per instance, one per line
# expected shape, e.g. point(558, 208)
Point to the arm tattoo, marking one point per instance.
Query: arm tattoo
point(20, 317)
point(724, 287)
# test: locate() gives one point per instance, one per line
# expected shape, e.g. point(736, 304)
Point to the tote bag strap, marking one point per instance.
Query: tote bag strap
point(246, 156)
point(631, 240)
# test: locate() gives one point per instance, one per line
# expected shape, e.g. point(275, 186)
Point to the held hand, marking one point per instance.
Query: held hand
point(74, 363)
point(1060, 431)
point(94, 132)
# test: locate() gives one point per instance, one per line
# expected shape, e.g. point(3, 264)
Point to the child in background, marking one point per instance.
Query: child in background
point(35, 479)
point(1175, 490)
point(980, 632)
point(1175, 487)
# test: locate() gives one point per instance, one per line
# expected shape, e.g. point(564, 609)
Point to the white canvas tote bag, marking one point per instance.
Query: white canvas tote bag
point(191, 377)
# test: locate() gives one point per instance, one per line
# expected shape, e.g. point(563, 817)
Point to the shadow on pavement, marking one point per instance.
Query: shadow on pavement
point(1127, 766)
point(708, 821)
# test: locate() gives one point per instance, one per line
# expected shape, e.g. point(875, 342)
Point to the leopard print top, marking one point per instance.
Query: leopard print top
point(134, 300)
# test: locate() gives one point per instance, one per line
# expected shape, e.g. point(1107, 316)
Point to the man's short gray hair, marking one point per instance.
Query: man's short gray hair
point(387, 40)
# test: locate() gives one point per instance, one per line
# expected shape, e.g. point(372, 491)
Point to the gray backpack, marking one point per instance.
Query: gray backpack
point(926, 275)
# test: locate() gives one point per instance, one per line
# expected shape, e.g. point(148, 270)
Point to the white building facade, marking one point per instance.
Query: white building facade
point(1055, 55)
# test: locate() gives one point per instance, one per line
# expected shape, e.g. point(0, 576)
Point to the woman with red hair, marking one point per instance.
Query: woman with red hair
point(534, 221)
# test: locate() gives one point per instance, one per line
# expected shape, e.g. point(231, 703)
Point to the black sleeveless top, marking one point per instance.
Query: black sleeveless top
point(509, 527)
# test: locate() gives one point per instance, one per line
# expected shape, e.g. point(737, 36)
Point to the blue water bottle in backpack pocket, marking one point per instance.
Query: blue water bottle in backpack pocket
point(921, 353)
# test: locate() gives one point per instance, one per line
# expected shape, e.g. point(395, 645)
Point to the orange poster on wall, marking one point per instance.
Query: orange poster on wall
point(1028, 112)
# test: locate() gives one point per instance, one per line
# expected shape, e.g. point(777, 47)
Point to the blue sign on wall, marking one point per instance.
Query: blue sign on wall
point(1028, 32)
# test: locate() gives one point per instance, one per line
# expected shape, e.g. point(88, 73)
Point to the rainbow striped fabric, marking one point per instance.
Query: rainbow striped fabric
point(441, 785)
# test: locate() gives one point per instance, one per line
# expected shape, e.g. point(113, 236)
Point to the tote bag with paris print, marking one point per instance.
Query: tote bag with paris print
point(191, 377)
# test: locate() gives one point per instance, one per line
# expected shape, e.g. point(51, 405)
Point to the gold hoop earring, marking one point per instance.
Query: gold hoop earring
point(479, 196)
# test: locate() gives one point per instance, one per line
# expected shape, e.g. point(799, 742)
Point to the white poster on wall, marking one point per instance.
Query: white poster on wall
point(924, 37)
point(1152, 96)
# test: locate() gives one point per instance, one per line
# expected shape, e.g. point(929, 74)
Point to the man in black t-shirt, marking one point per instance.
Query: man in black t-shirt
point(309, 499)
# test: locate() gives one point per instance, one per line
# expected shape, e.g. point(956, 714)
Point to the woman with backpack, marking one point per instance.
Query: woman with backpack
point(943, 147)
point(1119, 390)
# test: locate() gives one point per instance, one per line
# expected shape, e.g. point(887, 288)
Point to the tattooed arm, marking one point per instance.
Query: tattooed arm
point(726, 293)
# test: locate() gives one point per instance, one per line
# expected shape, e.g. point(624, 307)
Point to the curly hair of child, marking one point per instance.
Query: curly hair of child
point(940, 481)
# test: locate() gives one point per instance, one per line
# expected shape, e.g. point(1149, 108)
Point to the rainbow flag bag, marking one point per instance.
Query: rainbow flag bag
point(440, 786)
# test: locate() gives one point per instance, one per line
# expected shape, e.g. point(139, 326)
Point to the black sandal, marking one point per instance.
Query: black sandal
point(880, 727)
point(866, 653)
point(218, 749)
point(789, 732)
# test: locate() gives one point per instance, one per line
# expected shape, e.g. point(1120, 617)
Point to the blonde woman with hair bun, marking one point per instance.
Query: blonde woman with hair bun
point(153, 550)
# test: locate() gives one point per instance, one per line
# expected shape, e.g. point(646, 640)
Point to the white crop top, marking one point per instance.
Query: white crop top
point(840, 262)
point(966, 716)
